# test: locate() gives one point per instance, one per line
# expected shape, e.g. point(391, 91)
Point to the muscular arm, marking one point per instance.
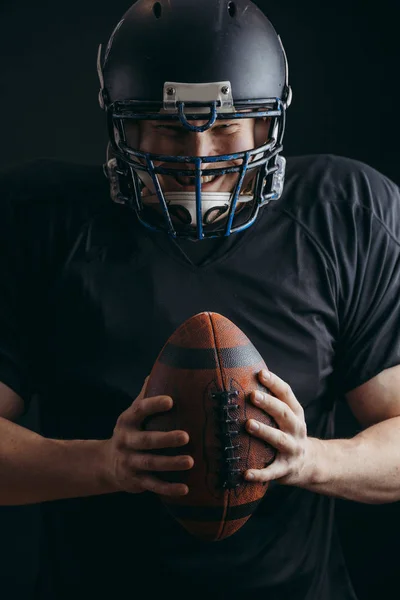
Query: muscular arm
point(365, 468)
point(36, 469)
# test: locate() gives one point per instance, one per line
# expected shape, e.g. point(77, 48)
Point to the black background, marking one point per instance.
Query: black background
point(343, 63)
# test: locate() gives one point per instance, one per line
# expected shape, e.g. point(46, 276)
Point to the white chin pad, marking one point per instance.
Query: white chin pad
point(182, 205)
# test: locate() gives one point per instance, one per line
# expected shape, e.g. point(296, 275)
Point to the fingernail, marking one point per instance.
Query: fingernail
point(254, 426)
point(265, 374)
point(250, 476)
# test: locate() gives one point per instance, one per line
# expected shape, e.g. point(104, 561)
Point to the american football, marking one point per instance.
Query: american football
point(209, 367)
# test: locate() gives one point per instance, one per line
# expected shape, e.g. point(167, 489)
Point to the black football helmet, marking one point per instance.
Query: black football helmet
point(187, 61)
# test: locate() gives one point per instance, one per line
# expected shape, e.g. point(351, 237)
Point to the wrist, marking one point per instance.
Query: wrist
point(103, 468)
point(313, 472)
point(326, 464)
point(88, 459)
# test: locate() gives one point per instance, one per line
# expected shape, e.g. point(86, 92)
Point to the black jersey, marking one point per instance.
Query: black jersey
point(88, 297)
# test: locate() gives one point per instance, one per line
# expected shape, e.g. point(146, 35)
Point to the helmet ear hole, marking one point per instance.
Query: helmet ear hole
point(232, 9)
point(157, 10)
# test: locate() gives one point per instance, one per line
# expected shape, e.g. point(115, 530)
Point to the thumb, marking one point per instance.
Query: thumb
point(130, 413)
point(142, 393)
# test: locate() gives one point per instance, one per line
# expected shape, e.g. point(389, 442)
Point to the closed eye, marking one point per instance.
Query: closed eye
point(170, 128)
point(181, 130)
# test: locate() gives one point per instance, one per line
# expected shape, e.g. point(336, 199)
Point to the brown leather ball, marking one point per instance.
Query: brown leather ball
point(209, 367)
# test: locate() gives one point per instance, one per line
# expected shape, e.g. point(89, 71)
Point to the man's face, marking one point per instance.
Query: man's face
point(172, 138)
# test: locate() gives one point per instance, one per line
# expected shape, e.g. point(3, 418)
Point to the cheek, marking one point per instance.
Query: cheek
point(235, 143)
point(160, 145)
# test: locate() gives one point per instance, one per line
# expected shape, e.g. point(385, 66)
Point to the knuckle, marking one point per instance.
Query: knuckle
point(122, 418)
point(265, 399)
point(287, 391)
point(120, 424)
point(151, 486)
point(136, 410)
point(124, 461)
point(303, 429)
point(165, 489)
point(281, 440)
point(129, 440)
point(119, 444)
point(285, 414)
point(144, 442)
point(120, 440)
point(146, 463)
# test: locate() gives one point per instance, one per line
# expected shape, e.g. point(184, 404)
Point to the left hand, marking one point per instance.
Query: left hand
point(295, 457)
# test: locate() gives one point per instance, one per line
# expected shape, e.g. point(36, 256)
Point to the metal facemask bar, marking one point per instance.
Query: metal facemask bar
point(193, 102)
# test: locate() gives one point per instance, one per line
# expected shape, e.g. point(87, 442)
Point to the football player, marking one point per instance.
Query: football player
point(198, 210)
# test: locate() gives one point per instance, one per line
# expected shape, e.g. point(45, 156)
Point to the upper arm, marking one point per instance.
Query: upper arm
point(11, 405)
point(378, 399)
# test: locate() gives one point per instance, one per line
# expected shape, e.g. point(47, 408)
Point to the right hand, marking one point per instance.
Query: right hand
point(129, 464)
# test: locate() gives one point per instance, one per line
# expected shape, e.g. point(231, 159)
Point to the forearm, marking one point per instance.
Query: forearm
point(36, 469)
point(365, 468)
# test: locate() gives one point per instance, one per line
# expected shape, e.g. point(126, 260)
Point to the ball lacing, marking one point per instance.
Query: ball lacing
point(228, 431)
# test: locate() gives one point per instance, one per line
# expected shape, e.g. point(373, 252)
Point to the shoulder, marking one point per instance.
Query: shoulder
point(342, 189)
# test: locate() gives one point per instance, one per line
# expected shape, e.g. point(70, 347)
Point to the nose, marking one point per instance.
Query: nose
point(198, 144)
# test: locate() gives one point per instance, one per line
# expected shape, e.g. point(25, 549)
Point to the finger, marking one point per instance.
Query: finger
point(142, 408)
point(280, 440)
point(277, 470)
point(163, 488)
point(157, 462)
point(142, 393)
point(278, 410)
point(281, 390)
point(154, 440)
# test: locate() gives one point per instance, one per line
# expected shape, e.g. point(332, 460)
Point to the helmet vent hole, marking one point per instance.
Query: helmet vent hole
point(157, 10)
point(232, 9)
